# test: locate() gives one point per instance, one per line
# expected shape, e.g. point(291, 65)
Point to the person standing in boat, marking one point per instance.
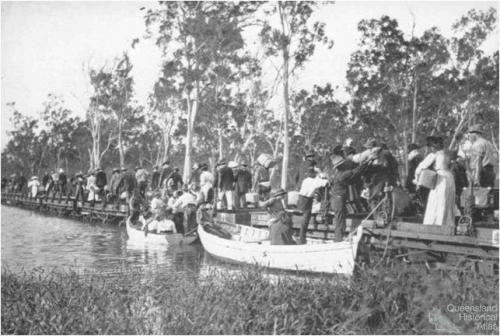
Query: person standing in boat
point(280, 226)
point(483, 158)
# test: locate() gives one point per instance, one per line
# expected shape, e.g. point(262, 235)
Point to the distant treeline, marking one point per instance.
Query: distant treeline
point(210, 101)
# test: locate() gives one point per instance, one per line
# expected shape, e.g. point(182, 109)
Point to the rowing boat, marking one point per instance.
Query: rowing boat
point(138, 236)
point(244, 244)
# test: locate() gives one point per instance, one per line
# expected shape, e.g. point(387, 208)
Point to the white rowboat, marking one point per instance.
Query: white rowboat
point(138, 236)
point(251, 246)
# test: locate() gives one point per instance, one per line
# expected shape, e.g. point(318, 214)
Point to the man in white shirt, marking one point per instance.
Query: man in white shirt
point(305, 203)
point(187, 202)
point(483, 158)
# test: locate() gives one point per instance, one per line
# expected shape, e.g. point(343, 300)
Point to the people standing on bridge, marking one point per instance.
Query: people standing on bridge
point(307, 190)
point(113, 186)
point(51, 185)
point(63, 184)
point(435, 145)
point(206, 183)
point(262, 181)
point(459, 171)
point(101, 181)
point(155, 179)
point(46, 180)
point(303, 171)
point(91, 187)
point(243, 184)
point(21, 184)
point(127, 184)
point(340, 181)
point(440, 209)
point(483, 158)
point(80, 183)
point(33, 186)
point(224, 182)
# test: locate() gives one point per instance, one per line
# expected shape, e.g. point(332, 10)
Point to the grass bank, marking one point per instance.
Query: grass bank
point(390, 300)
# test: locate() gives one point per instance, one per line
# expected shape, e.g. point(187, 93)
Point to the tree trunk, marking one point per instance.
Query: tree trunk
point(414, 112)
point(120, 145)
point(286, 140)
point(221, 154)
point(192, 111)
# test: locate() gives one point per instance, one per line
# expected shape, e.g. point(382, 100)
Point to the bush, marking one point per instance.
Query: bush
point(390, 300)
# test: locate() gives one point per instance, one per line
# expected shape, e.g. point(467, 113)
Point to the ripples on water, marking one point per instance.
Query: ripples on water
point(33, 240)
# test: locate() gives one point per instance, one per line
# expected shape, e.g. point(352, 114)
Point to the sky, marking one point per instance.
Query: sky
point(46, 46)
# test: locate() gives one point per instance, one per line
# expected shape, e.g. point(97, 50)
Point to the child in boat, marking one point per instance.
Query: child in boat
point(280, 228)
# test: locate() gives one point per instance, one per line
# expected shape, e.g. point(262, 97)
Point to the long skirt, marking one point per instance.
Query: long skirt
point(440, 208)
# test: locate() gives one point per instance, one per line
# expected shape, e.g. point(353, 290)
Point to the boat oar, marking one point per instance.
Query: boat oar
point(353, 231)
point(190, 232)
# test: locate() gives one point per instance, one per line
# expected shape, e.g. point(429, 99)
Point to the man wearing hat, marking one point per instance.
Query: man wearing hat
point(100, 181)
point(243, 182)
point(280, 226)
point(79, 183)
point(224, 182)
point(307, 190)
point(166, 171)
point(342, 178)
point(141, 175)
point(155, 178)
point(302, 172)
point(113, 186)
point(483, 158)
point(414, 158)
point(63, 184)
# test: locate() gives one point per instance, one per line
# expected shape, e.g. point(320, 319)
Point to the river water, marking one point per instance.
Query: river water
point(32, 240)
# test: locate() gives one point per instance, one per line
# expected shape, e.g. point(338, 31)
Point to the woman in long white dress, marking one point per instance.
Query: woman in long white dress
point(440, 209)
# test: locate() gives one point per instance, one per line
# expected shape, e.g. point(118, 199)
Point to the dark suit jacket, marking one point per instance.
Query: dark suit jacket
point(243, 179)
point(224, 179)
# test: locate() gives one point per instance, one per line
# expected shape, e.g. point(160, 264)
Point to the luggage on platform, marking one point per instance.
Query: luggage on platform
point(427, 178)
point(252, 198)
point(293, 198)
point(266, 160)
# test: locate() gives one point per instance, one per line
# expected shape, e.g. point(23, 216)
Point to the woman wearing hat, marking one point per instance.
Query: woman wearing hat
point(440, 208)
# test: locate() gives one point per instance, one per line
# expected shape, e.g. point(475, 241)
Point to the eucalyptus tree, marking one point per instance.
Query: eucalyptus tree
point(196, 38)
point(289, 35)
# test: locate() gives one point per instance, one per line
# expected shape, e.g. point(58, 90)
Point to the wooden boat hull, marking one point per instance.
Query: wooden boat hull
point(317, 256)
point(139, 237)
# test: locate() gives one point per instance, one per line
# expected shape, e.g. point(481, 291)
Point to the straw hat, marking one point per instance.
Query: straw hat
point(337, 161)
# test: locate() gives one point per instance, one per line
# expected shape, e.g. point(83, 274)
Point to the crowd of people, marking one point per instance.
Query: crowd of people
point(352, 182)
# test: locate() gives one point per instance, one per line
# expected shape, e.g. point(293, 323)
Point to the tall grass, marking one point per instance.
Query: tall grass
point(391, 300)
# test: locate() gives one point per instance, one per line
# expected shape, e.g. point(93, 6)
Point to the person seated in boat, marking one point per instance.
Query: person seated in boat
point(280, 226)
point(157, 205)
point(160, 224)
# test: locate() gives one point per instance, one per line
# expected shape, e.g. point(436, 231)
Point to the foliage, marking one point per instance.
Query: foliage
point(389, 300)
